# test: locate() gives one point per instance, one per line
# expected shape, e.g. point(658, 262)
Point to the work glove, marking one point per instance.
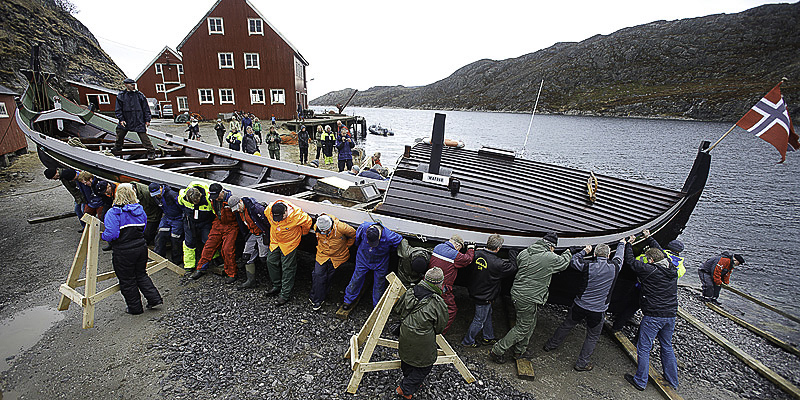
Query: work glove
point(470, 245)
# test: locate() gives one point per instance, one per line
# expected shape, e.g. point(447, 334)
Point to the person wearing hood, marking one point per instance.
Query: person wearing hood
point(424, 315)
point(334, 239)
point(413, 263)
point(659, 302)
point(274, 144)
point(222, 236)
point(220, 128)
point(345, 144)
point(249, 142)
point(535, 267)
point(591, 302)
point(69, 178)
point(373, 243)
point(171, 224)
point(328, 142)
point(302, 142)
point(133, 113)
point(124, 230)
point(717, 271)
point(253, 224)
point(288, 223)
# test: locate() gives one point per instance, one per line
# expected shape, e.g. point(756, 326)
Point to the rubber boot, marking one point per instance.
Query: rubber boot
point(251, 277)
point(188, 258)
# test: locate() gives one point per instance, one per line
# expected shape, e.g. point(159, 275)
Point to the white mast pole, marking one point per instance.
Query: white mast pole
point(524, 145)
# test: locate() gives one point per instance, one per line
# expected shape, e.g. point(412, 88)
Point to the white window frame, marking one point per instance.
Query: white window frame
point(257, 61)
point(207, 91)
point(180, 68)
point(222, 98)
point(161, 88)
point(227, 56)
point(221, 30)
point(3, 110)
point(103, 99)
point(281, 96)
point(159, 69)
point(260, 93)
point(260, 26)
point(183, 103)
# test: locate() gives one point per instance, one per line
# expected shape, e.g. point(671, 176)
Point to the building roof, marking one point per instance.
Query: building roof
point(5, 90)
point(150, 64)
point(95, 87)
point(200, 23)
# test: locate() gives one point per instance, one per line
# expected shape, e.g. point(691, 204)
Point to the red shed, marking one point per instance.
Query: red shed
point(12, 140)
point(236, 60)
point(164, 79)
point(103, 98)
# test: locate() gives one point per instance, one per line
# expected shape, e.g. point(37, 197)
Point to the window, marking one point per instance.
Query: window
point(183, 103)
point(160, 87)
point(225, 60)
point(277, 96)
point(226, 96)
point(4, 111)
point(215, 26)
point(206, 96)
point(256, 96)
point(255, 26)
point(298, 69)
point(251, 61)
point(159, 70)
point(103, 99)
point(180, 68)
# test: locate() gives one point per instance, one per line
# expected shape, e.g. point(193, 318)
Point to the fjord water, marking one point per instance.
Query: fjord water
point(750, 204)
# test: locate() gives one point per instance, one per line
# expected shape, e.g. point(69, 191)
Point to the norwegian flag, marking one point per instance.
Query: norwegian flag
point(769, 120)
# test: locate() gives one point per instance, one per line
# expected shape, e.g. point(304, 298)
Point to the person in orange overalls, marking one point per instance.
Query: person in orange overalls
point(288, 223)
point(224, 231)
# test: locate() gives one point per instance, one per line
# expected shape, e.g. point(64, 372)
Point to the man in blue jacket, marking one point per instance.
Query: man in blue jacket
point(591, 302)
point(133, 114)
point(374, 242)
point(344, 143)
point(171, 224)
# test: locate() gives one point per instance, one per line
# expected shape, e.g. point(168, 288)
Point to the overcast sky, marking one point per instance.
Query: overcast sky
point(360, 44)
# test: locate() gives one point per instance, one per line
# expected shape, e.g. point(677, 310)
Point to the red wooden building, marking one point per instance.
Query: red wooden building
point(233, 59)
point(103, 98)
point(163, 79)
point(12, 140)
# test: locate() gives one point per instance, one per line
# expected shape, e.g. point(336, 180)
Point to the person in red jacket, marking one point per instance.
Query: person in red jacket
point(448, 257)
point(716, 271)
point(224, 231)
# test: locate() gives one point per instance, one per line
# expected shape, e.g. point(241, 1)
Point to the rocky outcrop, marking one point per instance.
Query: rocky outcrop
point(709, 68)
point(68, 48)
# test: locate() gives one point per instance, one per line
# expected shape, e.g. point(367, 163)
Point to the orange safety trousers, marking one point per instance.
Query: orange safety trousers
point(221, 235)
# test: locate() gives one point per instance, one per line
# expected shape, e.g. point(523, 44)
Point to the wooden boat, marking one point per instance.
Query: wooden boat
point(436, 191)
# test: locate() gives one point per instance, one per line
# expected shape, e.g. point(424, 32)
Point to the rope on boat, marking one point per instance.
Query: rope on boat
point(591, 187)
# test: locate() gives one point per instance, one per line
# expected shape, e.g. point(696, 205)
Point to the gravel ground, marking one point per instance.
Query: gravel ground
point(212, 341)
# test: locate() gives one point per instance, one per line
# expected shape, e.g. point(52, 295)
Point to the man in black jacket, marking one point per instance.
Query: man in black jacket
point(133, 114)
point(484, 288)
point(659, 301)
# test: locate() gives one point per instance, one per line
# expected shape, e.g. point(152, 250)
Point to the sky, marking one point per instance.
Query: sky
point(359, 44)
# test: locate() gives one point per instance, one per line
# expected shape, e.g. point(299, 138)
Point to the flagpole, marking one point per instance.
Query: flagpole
point(524, 145)
point(720, 139)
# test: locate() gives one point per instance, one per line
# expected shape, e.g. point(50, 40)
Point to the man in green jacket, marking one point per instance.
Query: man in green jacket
point(536, 264)
point(424, 315)
point(413, 263)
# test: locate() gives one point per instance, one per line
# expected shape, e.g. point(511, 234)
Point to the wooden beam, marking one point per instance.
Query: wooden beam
point(763, 304)
point(71, 293)
point(661, 384)
point(525, 369)
point(75, 269)
point(751, 362)
point(758, 331)
point(38, 220)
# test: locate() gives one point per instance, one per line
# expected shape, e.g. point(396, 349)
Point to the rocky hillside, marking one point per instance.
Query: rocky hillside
point(68, 49)
point(710, 68)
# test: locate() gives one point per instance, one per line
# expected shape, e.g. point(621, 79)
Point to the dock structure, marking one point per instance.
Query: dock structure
point(356, 124)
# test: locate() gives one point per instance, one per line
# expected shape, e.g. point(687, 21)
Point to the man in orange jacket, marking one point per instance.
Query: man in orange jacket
point(224, 231)
point(288, 223)
point(334, 239)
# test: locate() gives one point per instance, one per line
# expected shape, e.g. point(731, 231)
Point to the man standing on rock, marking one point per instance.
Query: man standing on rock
point(133, 114)
point(659, 300)
point(591, 302)
point(373, 244)
point(288, 223)
point(536, 265)
point(334, 239)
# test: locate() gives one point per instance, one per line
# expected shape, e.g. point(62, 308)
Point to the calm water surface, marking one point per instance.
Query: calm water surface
point(750, 205)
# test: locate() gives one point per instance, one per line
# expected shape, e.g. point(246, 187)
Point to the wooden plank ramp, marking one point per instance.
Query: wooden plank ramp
point(763, 304)
point(758, 331)
point(661, 384)
point(38, 220)
point(751, 362)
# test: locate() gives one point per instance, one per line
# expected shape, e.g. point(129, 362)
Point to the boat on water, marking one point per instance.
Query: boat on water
point(436, 190)
point(379, 130)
